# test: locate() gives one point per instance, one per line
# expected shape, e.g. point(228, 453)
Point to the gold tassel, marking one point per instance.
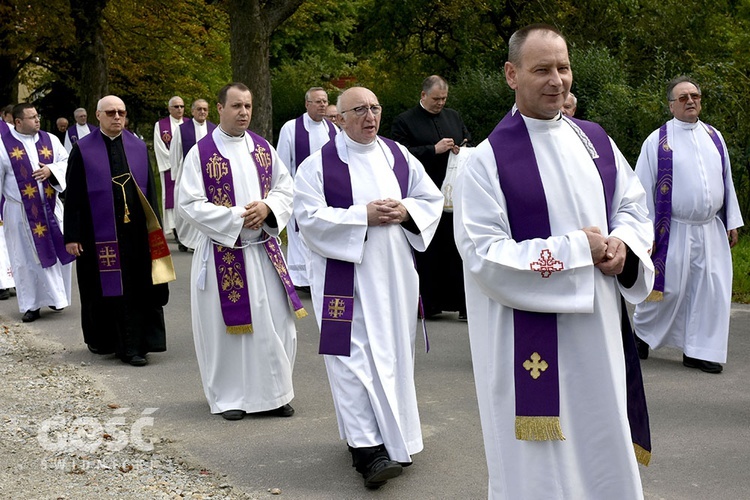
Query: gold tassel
point(240, 329)
point(655, 296)
point(642, 455)
point(539, 429)
point(126, 219)
point(301, 313)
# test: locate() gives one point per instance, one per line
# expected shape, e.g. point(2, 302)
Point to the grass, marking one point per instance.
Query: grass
point(741, 265)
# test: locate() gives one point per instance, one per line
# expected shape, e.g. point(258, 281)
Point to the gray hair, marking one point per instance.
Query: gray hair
point(314, 89)
point(676, 81)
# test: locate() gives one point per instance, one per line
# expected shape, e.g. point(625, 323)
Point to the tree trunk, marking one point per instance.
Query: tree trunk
point(8, 80)
point(94, 84)
point(250, 29)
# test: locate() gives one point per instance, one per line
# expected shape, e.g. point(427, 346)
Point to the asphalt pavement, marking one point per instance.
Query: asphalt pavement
point(700, 423)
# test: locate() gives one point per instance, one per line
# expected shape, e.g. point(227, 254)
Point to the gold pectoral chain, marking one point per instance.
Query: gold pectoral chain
point(125, 219)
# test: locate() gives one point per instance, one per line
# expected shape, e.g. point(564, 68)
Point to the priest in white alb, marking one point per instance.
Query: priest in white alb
point(684, 167)
point(364, 204)
point(552, 226)
point(33, 164)
point(237, 194)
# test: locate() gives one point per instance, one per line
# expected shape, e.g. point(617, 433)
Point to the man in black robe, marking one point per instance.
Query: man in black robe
point(432, 132)
point(129, 321)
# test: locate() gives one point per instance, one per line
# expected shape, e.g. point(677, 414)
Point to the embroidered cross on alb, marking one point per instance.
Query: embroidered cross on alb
point(546, 265)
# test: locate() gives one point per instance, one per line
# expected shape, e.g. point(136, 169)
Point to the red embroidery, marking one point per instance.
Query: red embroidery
point(546, 265)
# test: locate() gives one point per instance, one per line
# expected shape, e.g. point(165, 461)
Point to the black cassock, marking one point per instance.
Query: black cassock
point(440, 269)
point(131, 324)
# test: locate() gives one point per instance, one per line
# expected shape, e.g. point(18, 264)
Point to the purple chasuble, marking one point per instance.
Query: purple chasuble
point(73, 132)
point(101, 200)
point(229, 263)
point(165, 132)
point(47, 236)
point(663, 205)
point(536, 370)
point(338, 290)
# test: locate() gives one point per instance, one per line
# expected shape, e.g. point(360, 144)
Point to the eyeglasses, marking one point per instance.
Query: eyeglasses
point(320, 101)
point(178, 106)
point(684, 97)
point(362, 110)
point(112, 112)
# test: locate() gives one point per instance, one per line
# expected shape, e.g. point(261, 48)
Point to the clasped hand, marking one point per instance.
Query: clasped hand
point(608, 254)
point(388, 211)
point(255, 213)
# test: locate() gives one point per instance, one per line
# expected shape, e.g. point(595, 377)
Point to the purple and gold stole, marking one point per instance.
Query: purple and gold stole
point(229, 263)
point(101, 200)
point(165, 132)
point(536, 369)
point(187, 134)
point(47, 236)
point(338, 291)
point(663, 205)
point(73, 132)
point(4, 128)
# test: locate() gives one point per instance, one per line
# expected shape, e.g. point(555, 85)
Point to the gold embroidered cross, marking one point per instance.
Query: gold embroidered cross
point(107, 256)
point(336, 308)
point(535, 365)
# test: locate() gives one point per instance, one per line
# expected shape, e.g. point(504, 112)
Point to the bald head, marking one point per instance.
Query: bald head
point(110, 111)
point(362, 128)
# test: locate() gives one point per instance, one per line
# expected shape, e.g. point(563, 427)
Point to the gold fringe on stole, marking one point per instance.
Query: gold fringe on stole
point(301, 313)
point(655, 296)
point(539, 429)
point(239, 329)
point(162, 268)
point(641, 455)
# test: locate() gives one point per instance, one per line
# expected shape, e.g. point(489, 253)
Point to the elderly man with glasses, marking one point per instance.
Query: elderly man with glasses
point(111, 228)
point(364, 204)
point(298, 139)
point(684, 167)
point(164, 130)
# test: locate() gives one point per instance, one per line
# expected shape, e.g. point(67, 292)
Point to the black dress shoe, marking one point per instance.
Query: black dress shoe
point(135, 360)
point(181, 247)
point(4, 294)
point(641, 347)
point(281, 411)
point(462, 316)
point(303, 289)
point(704, 366)
point(58, 309)
point(30, 316)
point(233, 414)
point(380, 471)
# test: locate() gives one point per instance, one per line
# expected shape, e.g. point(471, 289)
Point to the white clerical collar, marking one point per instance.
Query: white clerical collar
point(199, 124)
point(358, 147)
point(110, 137)
point(685, 125)
point(24, 136)
point(229, 137)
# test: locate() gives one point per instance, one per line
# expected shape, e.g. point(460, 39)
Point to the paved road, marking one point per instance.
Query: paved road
point(700, 422)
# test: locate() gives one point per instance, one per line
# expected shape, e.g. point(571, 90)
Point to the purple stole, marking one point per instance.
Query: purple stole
point(72, 132)
point(101, 200)
point(302, 140)
point(338, 291)
point(663, 205)
point(4, 128)
point(536, 367)
point(165, 132)
point(48, 238)
point(229, 263)
point(187, 133)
